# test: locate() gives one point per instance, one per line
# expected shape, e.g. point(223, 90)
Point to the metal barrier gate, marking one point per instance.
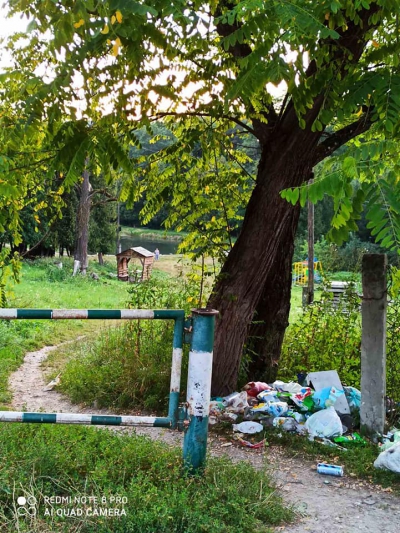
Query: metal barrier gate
point(192, 417)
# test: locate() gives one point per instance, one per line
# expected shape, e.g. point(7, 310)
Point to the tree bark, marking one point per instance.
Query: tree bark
point(271, 318)
point(100, 258)
point(82, 223)
point(257, 272)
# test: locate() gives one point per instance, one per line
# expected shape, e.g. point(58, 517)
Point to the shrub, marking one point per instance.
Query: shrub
point(325, 338)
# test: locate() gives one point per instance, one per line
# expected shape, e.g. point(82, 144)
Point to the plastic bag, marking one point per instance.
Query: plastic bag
point(291, 387)
point(288, 424)
point(255, 387)
point(272, 408)
point(326, 397)
point(303, 398)
point(325, 423)
point(268, 396)
point(389, 459)
point(353, 396)
point(389, 443)
point(248, 427)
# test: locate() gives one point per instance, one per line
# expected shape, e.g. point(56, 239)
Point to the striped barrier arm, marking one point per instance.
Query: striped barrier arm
point(111, 314)
point(199, 376)
point(87, 419)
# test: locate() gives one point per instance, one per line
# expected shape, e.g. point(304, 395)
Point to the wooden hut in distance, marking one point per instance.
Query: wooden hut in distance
point(142, 257)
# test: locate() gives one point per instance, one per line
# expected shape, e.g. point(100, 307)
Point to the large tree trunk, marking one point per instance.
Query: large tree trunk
point(257, 271)
point(270, 320)
point(82, 224)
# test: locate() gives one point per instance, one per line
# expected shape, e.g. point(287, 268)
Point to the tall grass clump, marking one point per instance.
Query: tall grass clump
point(130, 365)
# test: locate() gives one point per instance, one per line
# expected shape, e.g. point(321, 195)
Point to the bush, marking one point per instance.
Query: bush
point(325, 338)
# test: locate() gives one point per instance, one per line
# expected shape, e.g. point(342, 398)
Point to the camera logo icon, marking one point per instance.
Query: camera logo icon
point(26, 506)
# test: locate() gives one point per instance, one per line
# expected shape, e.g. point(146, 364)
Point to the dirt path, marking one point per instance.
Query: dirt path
point(325, 504)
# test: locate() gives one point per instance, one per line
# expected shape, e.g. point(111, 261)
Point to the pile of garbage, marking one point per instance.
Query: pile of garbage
point(319, 407)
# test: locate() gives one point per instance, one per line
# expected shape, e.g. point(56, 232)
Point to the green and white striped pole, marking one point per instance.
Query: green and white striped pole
point(170, 421)
point(199, 388)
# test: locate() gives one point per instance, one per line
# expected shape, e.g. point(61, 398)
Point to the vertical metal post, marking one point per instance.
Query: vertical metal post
point(373, 343)
point(199, 388)
point(175, 386)
point(310, 285)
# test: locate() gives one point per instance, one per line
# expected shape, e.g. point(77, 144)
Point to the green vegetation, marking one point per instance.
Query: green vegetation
point(129, 365)
point(324, 338)
point(44, 285)
point(72, 461)
point(50, 461)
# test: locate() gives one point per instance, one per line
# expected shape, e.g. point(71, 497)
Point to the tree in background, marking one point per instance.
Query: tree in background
point(205, 67)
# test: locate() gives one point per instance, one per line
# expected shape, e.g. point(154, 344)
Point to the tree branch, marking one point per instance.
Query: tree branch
point(342, 136)
point(351, 43)
point(201, 114)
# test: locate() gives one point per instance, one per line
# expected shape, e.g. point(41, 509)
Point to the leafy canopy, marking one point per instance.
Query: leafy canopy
point(91, 73)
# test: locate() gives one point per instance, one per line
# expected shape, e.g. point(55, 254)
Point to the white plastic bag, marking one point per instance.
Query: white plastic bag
point(325, 423)
point(389, 459)
point(248, 427)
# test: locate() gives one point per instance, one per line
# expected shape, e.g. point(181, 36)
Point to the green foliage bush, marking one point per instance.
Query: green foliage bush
point(44, 461)
point(130, 365)
point(325, 338)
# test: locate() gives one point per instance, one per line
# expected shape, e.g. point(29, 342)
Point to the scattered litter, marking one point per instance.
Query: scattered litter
point(272, 408)
point(236, 402)
point(248, 427)
point(303, 399)
point(326, 397)
point(354, 438)
point(324, 423)
point(268, 396)
point(329, 378)
point(330, 470)
point(254, 446)
point(288, 424)
point(353, 396)
point(291, 387)
point(226, 444)
point(318, 405)
point(389, 459)
point(390, 439)
point(53, 383)
point(255, 387)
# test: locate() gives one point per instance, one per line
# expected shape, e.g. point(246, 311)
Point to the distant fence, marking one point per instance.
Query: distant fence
point(192, 417)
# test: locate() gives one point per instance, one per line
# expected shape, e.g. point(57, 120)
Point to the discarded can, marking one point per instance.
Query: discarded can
point(330, 470)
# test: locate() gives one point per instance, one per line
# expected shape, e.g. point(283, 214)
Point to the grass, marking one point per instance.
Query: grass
point(45, 461)
point(44, 285)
